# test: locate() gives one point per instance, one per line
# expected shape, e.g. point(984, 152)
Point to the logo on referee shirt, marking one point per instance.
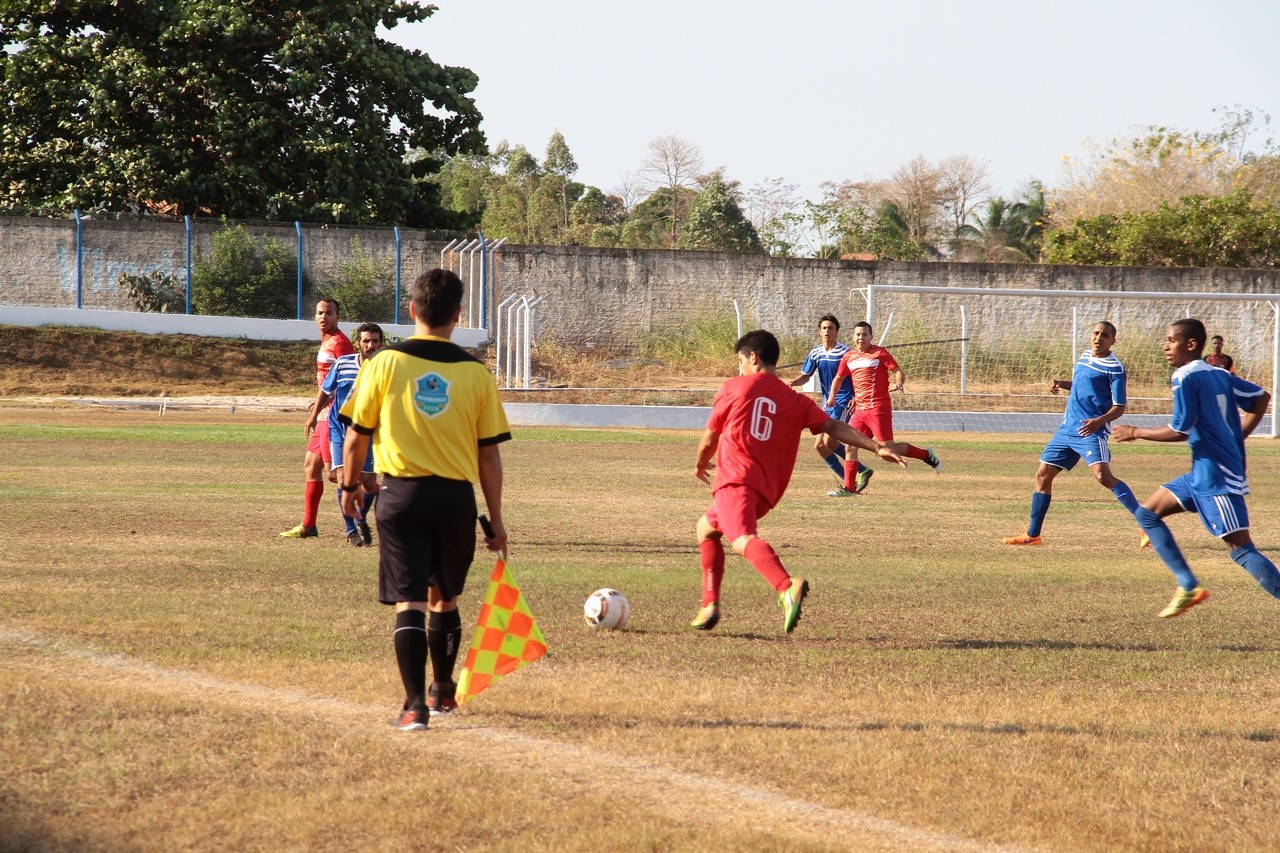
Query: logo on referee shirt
point(432, 394)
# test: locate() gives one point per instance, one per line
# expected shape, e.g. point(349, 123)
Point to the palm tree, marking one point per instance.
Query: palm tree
point(1005, 232)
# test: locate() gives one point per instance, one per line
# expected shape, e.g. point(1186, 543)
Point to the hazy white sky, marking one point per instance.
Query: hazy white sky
point(816, 90)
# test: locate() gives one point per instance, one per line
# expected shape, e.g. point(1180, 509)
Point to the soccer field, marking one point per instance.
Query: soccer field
point(176, 676)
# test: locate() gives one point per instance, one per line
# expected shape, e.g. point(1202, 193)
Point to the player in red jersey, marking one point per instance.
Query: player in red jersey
point(754, 433)
point(334, 344)
point(870, 366)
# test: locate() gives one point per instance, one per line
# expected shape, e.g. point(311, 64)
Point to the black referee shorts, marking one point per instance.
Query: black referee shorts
point(426, 537)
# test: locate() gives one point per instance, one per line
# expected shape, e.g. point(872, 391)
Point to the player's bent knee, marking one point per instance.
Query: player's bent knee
point(740, 544)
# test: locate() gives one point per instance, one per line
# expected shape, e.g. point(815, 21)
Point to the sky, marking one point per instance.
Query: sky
point(832, 90)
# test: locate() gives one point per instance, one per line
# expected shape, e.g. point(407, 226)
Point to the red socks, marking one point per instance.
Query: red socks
point(712, 568)
point(851, 475)
point(913, 452)
point(761, 555)
point(315, 491)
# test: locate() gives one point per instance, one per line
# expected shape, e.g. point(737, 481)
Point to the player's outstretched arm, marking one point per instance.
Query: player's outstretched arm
point(800, 380)
point(1056, 385)
point(1128, 432)
point(847, 435)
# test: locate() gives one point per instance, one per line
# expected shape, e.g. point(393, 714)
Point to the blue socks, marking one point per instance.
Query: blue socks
point(1162, 541)
point(1256, 564)
point(1039, 509)
point(351, 522)
point(836, 463)
point(1125, 495)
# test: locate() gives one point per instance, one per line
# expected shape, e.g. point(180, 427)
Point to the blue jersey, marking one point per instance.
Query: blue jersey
point(1206, 409)
point(825, 362)
point(338, 384)
point(1097, 384)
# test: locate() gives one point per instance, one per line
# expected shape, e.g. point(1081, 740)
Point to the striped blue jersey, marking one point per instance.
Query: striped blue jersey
point(825, 362)
point(1206, 409)
point(338, 384)
point(1097, 384)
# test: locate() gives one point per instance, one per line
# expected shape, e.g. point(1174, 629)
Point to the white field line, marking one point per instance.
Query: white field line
point(679, 794)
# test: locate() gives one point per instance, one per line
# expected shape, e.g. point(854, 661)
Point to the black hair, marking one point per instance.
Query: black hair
point(1111, 327)
point(369, 327)
point(863, 324)
point(763, 344)
point(1191, 329)
point(337, 309)
point(829, 318)
point(436, 296)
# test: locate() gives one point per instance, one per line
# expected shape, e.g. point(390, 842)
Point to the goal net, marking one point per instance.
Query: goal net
point(994, 350)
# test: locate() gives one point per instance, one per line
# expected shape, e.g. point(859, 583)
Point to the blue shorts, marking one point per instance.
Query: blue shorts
point(840, 413)
point(336, 440)
point(1221, 515)
point(1064, 451)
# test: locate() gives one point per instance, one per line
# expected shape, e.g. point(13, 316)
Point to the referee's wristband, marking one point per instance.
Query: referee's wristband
point(347, 488)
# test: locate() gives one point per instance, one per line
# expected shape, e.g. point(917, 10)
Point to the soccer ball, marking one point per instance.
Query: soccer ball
point(606, 608)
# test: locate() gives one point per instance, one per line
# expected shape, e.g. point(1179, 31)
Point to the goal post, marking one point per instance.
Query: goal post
point(994, 350)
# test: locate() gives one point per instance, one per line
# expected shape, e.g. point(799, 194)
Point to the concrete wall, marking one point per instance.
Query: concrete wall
point(619, 296)
point(607, 297)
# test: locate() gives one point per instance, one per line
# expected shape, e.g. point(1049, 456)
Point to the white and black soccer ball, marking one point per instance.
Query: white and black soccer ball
point(607, 609)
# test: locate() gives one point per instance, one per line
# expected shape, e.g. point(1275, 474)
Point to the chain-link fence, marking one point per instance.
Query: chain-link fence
point(237, 269)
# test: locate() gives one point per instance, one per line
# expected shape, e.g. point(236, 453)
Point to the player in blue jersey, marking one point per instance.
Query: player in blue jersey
point(337, 387)
point(1098, 396)
point(1207, 402)
point(824, 360)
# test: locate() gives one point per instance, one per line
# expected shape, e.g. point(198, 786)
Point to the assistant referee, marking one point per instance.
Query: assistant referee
point(433, 414)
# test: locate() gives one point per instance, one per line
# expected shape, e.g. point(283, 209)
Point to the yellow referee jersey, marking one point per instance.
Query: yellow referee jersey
point(429, 405)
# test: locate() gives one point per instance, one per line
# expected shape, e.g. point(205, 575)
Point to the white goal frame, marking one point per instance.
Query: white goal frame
point(1273, 427)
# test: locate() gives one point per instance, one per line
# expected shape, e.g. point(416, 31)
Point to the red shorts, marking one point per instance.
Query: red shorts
point(735, 509)
point(319, 441)
point(873, 423)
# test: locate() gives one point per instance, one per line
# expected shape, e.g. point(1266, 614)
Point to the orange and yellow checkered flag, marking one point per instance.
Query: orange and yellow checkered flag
point(506, 637)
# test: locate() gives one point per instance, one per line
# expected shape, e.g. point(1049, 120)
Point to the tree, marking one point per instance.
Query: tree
point(596, 219)
point(674, 164)
point(773, 208)
point(715, 221)
point(286, 110)
point(1161, 165)
point(963, 182)
point(1003, 231)
point(560, 164)
point(1197, 231)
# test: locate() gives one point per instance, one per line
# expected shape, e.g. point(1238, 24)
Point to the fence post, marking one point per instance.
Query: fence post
point(447, 247)
point(490, 290)
point(500, 326)
point(298, 227)
point(964, 349)
point(529, 317)
point(396, 318)
point(79, 261)
point(484, 272)
point(187, 221)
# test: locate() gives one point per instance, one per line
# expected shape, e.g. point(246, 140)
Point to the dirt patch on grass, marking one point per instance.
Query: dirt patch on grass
point(56, 361)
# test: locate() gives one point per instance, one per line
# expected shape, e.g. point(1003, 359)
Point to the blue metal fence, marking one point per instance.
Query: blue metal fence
point(235, 269)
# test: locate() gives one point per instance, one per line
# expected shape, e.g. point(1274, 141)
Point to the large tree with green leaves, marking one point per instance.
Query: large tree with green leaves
point(293, 109)
point(715, 222)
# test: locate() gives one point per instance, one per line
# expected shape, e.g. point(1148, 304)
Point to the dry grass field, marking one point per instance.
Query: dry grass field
point(176, 677)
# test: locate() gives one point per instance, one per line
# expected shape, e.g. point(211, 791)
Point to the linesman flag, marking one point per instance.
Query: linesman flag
point(506, 637)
